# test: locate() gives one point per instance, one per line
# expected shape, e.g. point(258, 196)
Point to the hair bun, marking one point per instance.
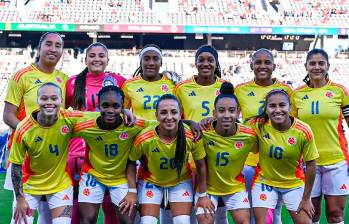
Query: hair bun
point(227, 88)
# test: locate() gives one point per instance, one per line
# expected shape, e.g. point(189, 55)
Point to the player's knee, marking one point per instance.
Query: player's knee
point(181, 219)
point(335, 215)
point(61, 220)
point(147, 219)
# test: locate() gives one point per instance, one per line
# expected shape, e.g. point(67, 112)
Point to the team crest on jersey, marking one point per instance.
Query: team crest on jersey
point(164, 88)
point(291, 140)
point(86, 192)
point(239, 145)
point(263, 197)
point(149, 194)
point(218, 92)
point(329, 94)
point(65, 129)
point(123, 136)
point(58, 79)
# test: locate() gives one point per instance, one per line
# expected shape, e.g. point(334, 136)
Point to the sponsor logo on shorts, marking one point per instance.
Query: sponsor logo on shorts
point(86, 192)
point(245, 200)
point(149, 194)
point(65, 129)
point(66, 197)
point(123, 136)
point(291, 140)
point(164, 88)
point(263, 197)
point(186, 194)
point(239, 144)
point(329, 94)
point(343, 187)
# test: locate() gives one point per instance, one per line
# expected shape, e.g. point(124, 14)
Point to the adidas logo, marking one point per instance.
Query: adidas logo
point(156, 150)
point(99, 138)
point(65, 198)
point(211, 143)
point(38, 139)
point(245, 200)
point(140, 90)
point(343, 187)
point(305, 97)
point(192, 93)
point(266, 136)
point(251, 94)
point(186, 194)
point(38, 81)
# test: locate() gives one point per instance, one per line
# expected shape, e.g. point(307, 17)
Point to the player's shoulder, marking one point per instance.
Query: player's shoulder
point(145, 135)
point(244, 84)
point(131, 81)
point(24, 127)
point(301, 88)
point(303, 128)
point(247, 130)
point(185, 83)
point(339, 86)
point(22, 73)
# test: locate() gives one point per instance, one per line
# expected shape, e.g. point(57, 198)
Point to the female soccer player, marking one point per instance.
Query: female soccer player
point(251, 98)
point(148, 85)
point(284, 144)
point(81, 94)
point(198, 94)
point(227, 145)
point(323, 104)
point(105, 169)
point(41, 141)
point(164, 173)
point(21, 98)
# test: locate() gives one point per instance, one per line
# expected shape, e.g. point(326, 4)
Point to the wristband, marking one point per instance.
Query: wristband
point(132, 190)
point(202, 194)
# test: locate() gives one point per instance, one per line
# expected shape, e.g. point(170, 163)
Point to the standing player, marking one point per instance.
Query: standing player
point(145, 89)
point(21, 98)
point(41, 141)
point(106, 169)
point(323, 105)
point(164, 172)
point(197, 95)
point(227, 144)
point(81, 94)
point(251, 98)
point(284, 144)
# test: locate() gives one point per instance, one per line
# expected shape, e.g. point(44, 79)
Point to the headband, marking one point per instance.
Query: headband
point(145, 50)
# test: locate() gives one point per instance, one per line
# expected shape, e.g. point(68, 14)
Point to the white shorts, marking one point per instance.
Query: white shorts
point(238, 200)
point(151, 194)
point(8, 180)
point(331, 180)
point(92, 191)
point(268, 197)
point(59, 199)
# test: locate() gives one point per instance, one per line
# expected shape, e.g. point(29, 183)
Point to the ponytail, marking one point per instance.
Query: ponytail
point(180, 148)
point(79, 98)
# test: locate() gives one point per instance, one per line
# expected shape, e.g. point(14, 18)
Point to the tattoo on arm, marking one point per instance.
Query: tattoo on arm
point(16, 175)
point(67, 212)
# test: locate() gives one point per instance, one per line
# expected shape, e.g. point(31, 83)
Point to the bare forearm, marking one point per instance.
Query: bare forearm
point(10, 115)
point(309, 178)
point(131, 174)
point(16, 175)
point(202, 174)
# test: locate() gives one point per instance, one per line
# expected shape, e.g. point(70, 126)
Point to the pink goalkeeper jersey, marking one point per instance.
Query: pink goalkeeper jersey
point(94, 84)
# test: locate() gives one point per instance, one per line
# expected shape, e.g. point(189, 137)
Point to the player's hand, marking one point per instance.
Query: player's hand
point(307, 207)
point(206, 122)
point(129, 117)
point(173, 76)
point(196, 129)
point(207, 205)
point(129, 203)
point(21, 211)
